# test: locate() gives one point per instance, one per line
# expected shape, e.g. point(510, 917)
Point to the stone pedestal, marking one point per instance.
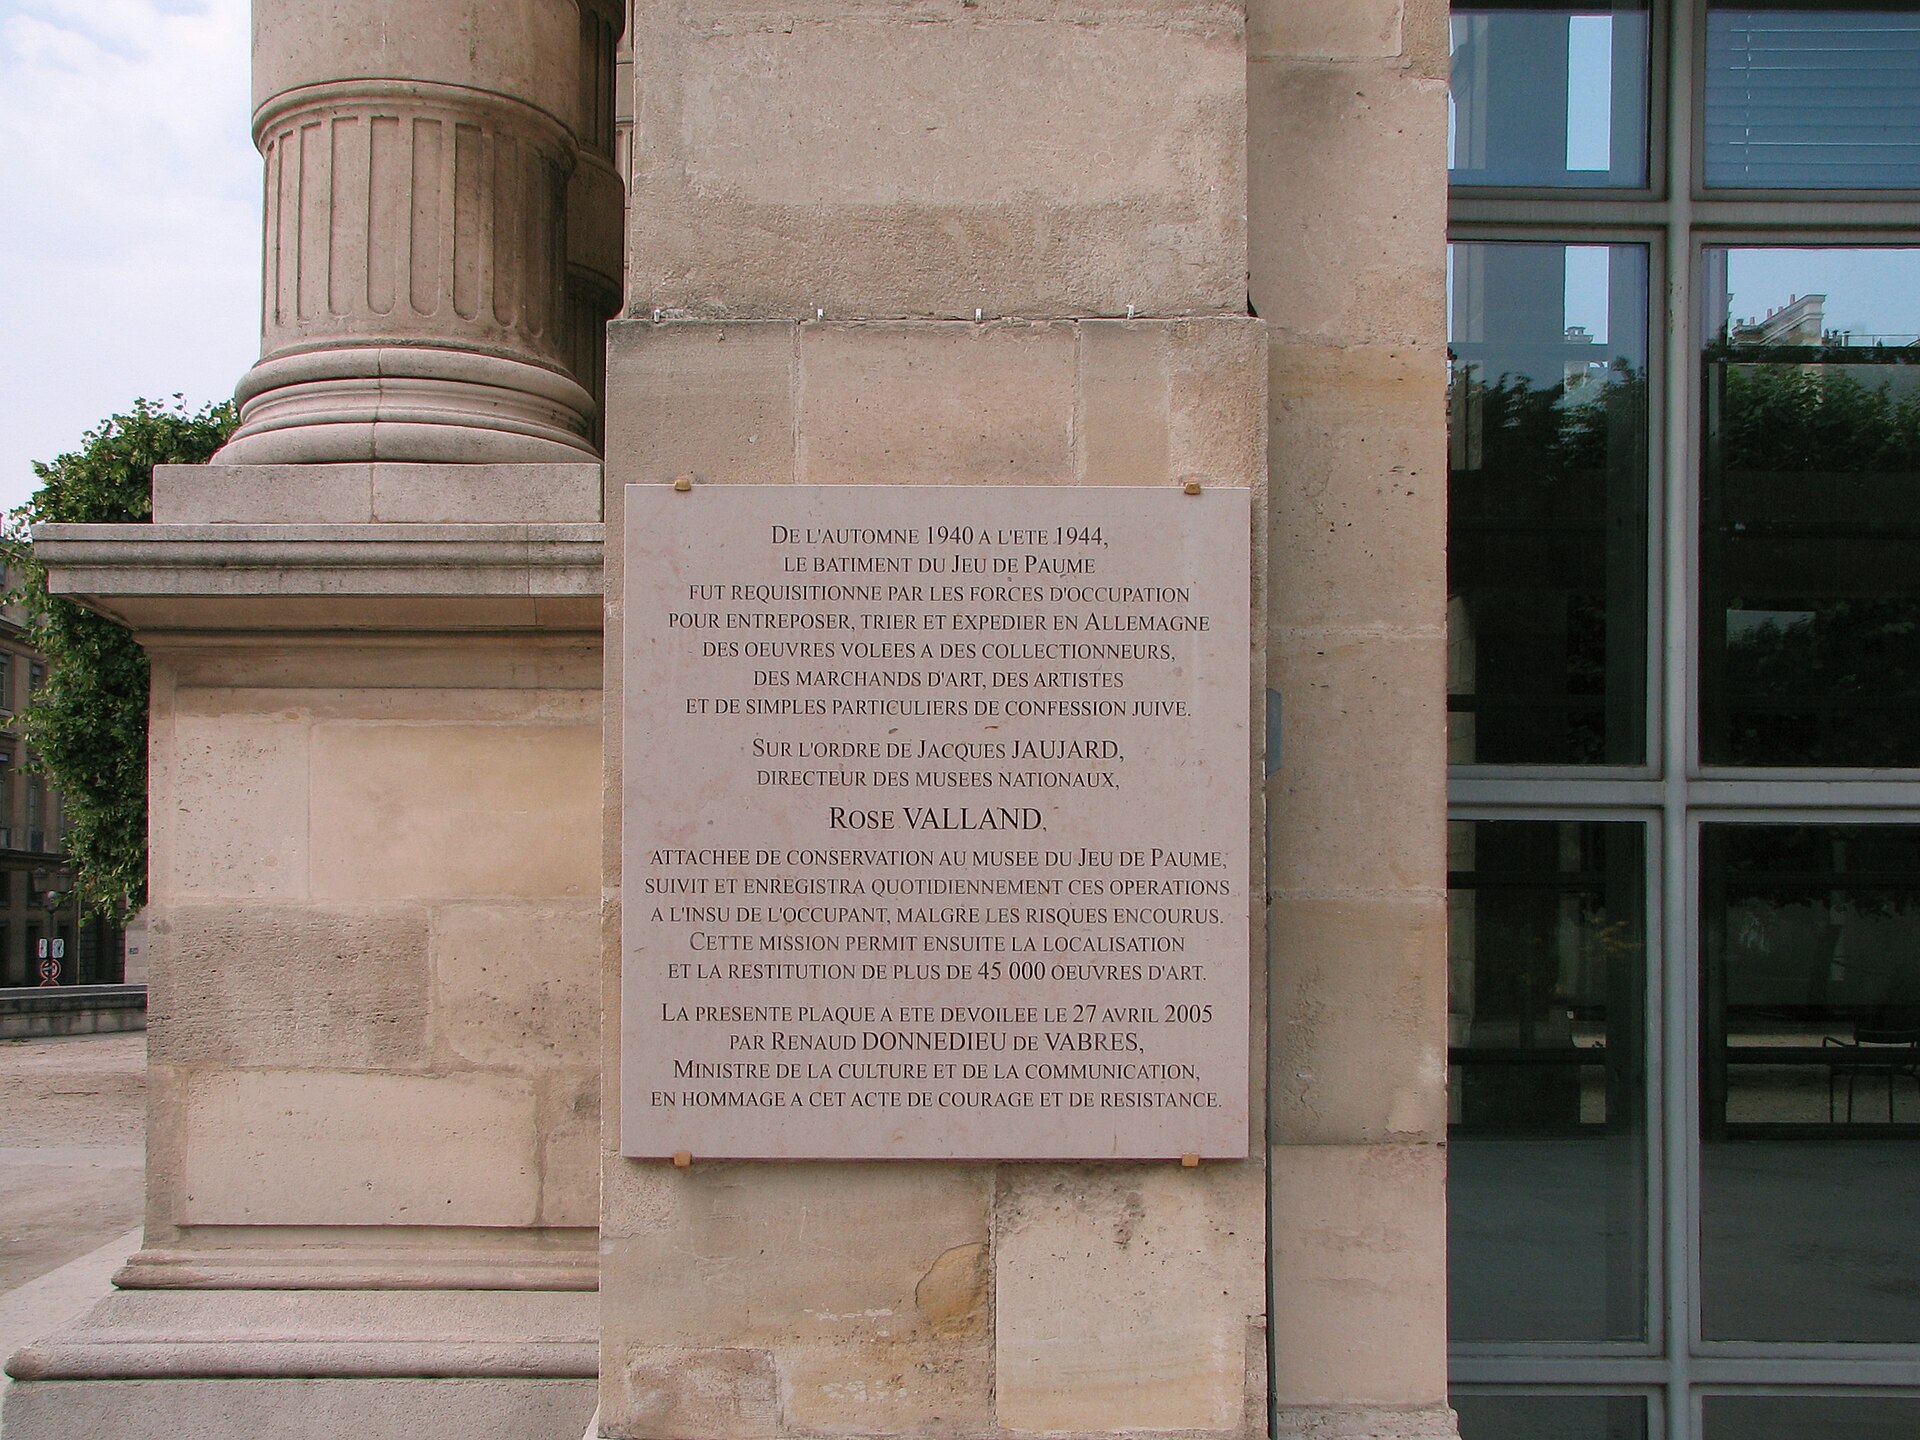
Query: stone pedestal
point(374, 628)
point(376, 1365)
point(373, 1014)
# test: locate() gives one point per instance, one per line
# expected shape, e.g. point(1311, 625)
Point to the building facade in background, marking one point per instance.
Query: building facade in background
point(36, 887)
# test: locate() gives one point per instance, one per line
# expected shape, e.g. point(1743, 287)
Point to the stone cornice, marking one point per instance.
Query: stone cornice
point(305, 577)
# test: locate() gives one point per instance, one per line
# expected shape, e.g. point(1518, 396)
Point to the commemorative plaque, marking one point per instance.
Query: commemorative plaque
point(935, 822)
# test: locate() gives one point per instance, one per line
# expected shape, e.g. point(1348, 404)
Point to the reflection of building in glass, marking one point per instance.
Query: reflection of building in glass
point(1801, 321)
point(1581, 370)
point(36, 888)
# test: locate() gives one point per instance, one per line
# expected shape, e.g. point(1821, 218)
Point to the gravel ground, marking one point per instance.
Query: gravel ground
point(72, 1128)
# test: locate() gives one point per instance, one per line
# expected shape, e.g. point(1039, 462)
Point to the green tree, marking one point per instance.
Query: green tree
point(88, 723)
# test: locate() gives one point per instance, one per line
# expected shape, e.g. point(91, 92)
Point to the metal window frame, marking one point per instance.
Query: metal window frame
point(1674, 795)
point(1863, 779)
point(1653, 676)
point(1695, 1404)
point(1501, 198)
point(1730, 1361)
point(1651, 1396)
point(1546, 1356)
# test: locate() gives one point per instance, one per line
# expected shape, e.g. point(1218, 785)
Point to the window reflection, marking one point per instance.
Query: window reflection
point(1564, 1417)
point(1546, 966)
point(1810, 616)
point(1547, 503)
point(1810, 999)
point(1811, 1417)
point(1813, 96)
point(1547, 94)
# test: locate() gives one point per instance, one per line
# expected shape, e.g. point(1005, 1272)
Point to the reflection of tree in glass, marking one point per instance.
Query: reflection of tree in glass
point(1819, 418)
point(1818, 474)
point(1822, 916)
point(1846, 650)
point(1544, 479)
point(1541, 451)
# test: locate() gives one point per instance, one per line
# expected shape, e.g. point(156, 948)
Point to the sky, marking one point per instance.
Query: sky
point(129, 215)
point(1869, 292)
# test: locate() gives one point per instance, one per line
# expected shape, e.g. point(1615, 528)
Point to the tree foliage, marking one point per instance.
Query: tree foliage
point(1540, 475)
point(1816, 475)
point(1820, 418)
point(88, 722)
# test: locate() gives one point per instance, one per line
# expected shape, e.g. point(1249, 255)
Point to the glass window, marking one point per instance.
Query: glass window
point(1615, 1270)
point(1563, 1417)
point(1811, 1417)
point(1810, 1107)
point(1547, 503)
point(1813, 96)
point(1547, 1212)
point(1810, 607)
point(1547, 94)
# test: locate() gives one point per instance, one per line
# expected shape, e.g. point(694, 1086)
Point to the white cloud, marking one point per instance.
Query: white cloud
point(129, 214)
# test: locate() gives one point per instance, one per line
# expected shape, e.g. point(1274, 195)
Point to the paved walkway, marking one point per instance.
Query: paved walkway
point(72, 1137)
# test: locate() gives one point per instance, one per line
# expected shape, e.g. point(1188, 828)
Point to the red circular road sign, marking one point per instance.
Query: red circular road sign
point(49, 972)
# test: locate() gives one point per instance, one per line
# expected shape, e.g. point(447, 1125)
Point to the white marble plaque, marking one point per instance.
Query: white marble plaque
point(935, 822)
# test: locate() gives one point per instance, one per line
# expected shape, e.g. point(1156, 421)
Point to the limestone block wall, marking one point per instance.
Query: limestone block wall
point(878, 159)
point(1347, 220)
point(744, 1299)
point(374, 1003)
point(941, 242)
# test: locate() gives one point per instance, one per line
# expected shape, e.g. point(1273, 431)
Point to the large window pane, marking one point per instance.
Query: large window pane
point(1561, 1417)
point(1811, 1417)
point(1548, 504)
point(1810, 613)
point(1816, 96)
point(1547, 1179)
point(1810, 1106)
point(1548, 94)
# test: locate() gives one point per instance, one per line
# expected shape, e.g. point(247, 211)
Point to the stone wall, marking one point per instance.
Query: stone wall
point(751, 1299)
point(1347, 219)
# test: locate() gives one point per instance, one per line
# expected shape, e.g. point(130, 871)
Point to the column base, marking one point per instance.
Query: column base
point(312, 1365)
point(408, 403)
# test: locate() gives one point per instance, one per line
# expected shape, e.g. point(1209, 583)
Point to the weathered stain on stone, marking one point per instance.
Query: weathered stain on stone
point(696, 1394)
point(953, 1293)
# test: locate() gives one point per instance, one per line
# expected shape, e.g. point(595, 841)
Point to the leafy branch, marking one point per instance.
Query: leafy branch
point(87, 725)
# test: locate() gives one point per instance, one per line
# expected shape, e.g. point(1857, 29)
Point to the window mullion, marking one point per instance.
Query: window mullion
point(1672, 1047)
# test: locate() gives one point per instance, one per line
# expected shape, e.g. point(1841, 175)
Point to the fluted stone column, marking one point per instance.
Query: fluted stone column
point(421, 301)
point(596, 203)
